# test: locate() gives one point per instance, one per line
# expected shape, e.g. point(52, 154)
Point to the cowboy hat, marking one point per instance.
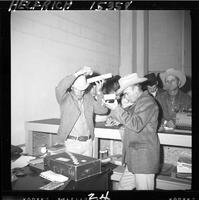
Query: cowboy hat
point(81, 83)
point(151, 79)
point(128, 80)
point(175, 73)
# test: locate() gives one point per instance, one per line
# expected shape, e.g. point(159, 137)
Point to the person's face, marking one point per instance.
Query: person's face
point(124, 102)
point(93, 90)
point(131, 93)
point(78, 93)
point(152, 88)
point(171, 82)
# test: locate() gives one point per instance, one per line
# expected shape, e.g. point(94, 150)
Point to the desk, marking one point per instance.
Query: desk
point(49, 127)
point(32, 181)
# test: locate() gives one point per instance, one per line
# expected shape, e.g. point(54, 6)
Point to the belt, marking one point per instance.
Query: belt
point(80, 138)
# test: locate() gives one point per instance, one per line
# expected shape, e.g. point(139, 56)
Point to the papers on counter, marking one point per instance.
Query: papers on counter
point(52, 176)
point(22, 161)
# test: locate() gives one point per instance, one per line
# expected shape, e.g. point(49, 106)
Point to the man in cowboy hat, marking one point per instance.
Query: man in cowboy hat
point(140, 142)
point(77, 107)
point(173, 99)
point(152, 84)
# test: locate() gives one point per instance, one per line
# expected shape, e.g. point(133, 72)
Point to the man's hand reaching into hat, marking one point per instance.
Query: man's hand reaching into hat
point(84, 71)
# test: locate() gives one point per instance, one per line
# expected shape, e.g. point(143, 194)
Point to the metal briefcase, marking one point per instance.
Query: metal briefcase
point(75, 166)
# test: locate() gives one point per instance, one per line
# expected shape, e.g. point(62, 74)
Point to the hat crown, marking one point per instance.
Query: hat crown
point(151, 77)
point(128, 80)
point(133, 76)
point(80, 83)
point(173, 72)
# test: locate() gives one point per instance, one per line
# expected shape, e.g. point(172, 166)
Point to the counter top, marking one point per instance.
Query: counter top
point(56, 122)
point(167, 137)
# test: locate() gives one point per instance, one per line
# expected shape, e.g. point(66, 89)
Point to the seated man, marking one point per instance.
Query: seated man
point(173, 100)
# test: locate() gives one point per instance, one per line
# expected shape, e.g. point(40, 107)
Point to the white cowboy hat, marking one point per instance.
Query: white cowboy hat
point(175, 73)
point(128, 80)
point(81, 83)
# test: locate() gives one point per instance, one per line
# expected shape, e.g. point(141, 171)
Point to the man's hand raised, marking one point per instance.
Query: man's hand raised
point(84, 71)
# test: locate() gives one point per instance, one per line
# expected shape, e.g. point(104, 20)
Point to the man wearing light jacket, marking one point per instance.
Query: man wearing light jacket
point(77, 108)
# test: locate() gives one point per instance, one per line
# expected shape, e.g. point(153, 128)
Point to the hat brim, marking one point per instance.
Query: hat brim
point(176, 73)
point(122, 88)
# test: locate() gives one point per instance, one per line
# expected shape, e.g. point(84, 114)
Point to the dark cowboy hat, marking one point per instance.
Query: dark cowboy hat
point(151, 79)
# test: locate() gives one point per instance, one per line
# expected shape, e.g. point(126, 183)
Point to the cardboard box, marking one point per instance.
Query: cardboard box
point(74, 166)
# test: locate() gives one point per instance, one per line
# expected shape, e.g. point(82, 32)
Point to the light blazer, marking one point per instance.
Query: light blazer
point(141, 147)
point(70, 111)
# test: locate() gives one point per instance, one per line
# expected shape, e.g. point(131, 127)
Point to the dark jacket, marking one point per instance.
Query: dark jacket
point(141, 147)
point(159, 91)
point(182, 101)
point(70, 111)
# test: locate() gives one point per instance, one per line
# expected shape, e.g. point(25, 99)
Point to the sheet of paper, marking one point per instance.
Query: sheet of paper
point(52, 176)
point(22, 161)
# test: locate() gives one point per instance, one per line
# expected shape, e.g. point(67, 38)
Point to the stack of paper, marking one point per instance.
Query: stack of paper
point(22, 161)
point(184, 164)
point(52, 176)
point(116, 159)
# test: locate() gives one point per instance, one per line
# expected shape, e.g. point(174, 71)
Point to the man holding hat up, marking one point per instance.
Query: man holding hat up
point(140, 142)
point(77, 107)
point(173, 99)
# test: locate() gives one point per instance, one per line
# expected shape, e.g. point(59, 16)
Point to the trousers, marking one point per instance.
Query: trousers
point(130, 181)
point(80, 147)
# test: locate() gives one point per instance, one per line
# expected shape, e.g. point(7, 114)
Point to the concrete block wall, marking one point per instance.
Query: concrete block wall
point(45, 47)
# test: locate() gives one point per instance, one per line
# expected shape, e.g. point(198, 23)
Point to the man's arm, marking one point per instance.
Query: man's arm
point(66, 82)
point(188, 102)
point(63, 86)
point(99, 108)
point(137, 120)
